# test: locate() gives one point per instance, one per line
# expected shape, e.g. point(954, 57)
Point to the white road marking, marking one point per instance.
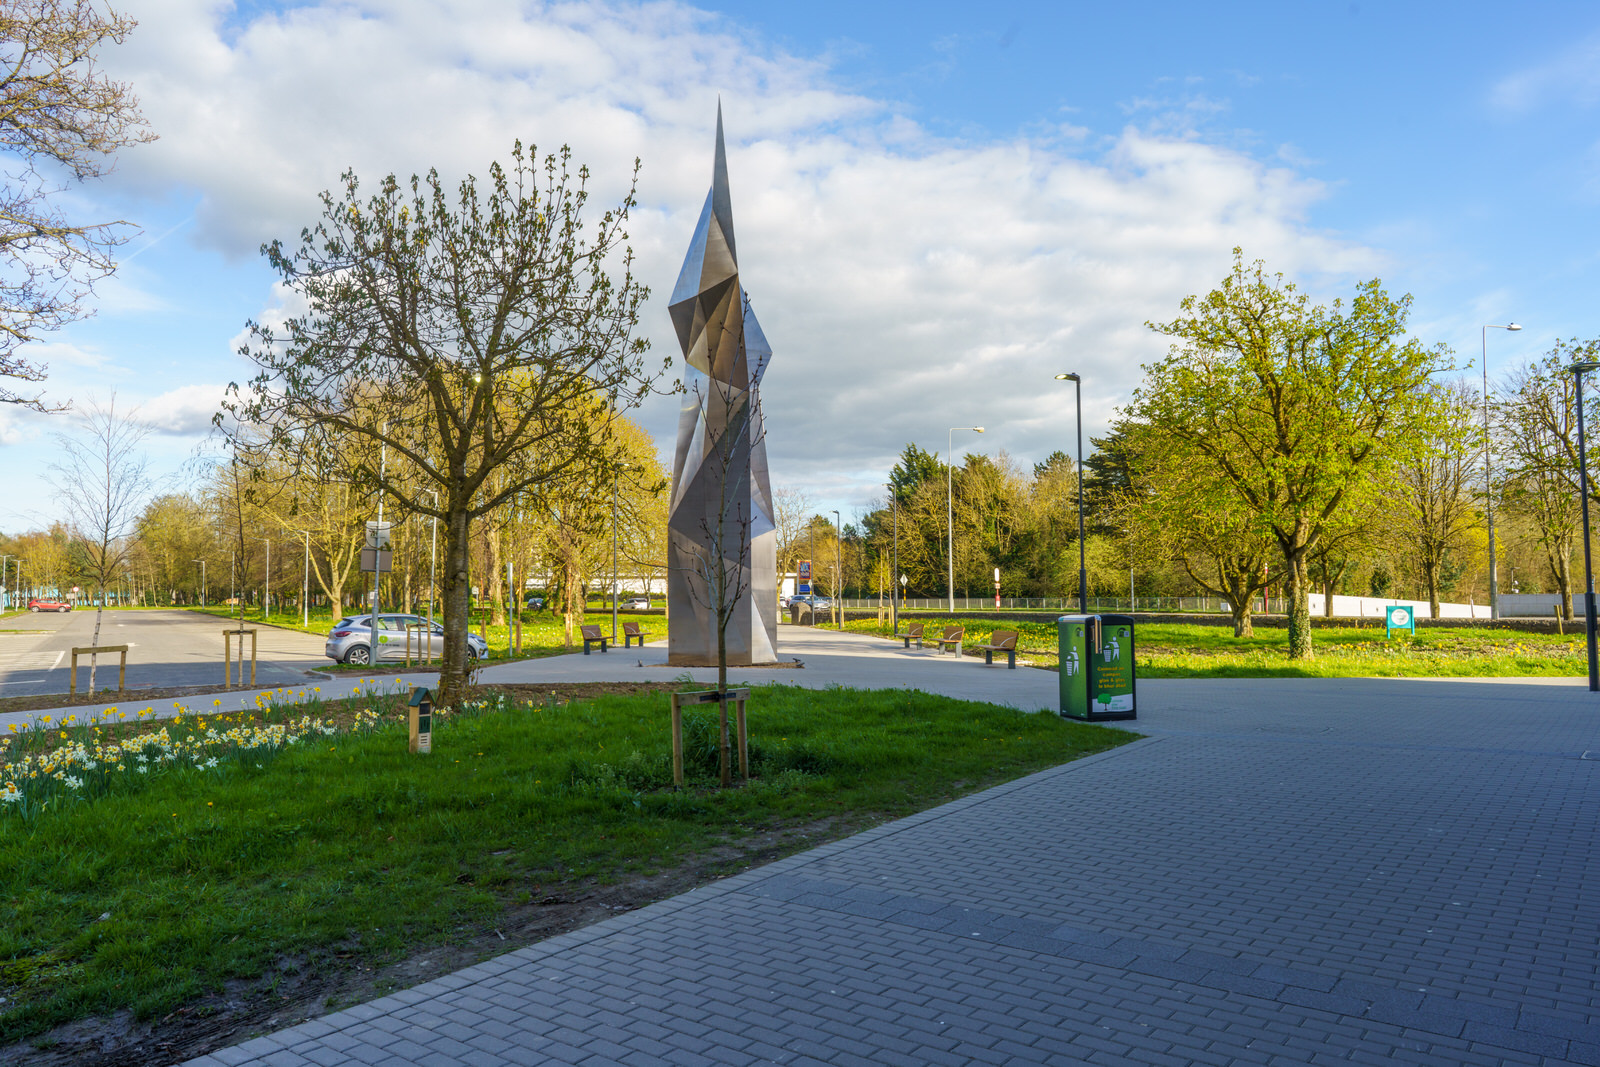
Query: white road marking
point(30, 661)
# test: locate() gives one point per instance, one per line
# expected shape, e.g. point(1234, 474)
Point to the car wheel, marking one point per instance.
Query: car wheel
point(34, 609)
point(359, 655)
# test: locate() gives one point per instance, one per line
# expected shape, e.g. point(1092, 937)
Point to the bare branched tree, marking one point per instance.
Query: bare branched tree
point(59, 117)
point(103, 481)
point(721, 562)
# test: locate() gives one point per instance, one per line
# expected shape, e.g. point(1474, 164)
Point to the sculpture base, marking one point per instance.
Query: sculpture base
point(695, 659)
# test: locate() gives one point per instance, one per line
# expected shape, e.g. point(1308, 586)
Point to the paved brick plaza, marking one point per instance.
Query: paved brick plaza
point(1284, 872)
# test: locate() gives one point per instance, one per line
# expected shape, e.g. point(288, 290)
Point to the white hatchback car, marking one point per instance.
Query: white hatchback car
point(350, 640)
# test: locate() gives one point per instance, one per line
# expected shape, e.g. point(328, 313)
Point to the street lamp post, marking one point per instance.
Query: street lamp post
point(1578, 370)
point(305, 587)
point(616, 480)
point(950, 505)
point(5, 590)
point(1083, 569)
point(1488, 483)
point(838, 568)
point(894, 575)
point(433, 557)
point(202, 580)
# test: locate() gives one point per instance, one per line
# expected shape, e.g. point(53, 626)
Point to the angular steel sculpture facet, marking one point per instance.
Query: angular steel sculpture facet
point(722, 540)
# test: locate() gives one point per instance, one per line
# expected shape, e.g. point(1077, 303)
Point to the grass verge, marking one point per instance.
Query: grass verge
point(1172, 650)
point(542, 634)
point(149, 893)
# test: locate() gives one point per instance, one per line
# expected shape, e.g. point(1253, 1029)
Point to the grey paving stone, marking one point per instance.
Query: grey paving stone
point(1284, 873)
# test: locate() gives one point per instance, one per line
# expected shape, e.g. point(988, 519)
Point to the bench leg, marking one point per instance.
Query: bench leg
point(1011, 659)
point(585, 647)
point(988, 658)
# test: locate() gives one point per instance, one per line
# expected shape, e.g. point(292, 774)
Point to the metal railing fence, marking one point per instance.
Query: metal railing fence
point(1178, 605)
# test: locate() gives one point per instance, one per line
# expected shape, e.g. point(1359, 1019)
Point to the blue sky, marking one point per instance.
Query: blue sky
point(938, 205)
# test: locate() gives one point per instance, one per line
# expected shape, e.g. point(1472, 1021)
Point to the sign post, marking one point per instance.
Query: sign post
point(375, 560)
point(997, 589)
point(1399, 617)
point(803, 578)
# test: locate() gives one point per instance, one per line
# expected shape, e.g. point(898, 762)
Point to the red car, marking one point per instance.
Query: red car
point(47, 605)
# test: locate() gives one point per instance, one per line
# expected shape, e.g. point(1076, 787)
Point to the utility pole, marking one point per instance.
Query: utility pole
point(894, 578)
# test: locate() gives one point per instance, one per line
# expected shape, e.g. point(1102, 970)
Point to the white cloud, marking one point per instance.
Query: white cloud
point(183, 412)
point(907, 283)
point(1572, 76)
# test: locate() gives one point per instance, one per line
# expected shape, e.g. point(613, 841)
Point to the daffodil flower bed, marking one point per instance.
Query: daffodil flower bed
point(56, 763)
point(202, 886)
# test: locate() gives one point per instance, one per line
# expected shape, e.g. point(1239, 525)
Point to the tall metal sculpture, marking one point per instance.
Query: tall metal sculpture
point(722, 540)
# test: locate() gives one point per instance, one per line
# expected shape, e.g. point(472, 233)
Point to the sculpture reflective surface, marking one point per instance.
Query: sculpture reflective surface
point(722, 541)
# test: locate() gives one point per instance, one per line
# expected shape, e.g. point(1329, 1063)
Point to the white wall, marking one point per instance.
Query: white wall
point(1371, 607)
point(1535, 605)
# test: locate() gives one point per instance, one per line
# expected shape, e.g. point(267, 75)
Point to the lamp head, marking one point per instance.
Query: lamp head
point(1066, 377)
point(978, 429)
point(1513, 327)
point(1584, 367)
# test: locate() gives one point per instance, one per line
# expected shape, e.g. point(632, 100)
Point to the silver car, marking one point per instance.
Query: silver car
point(350, 640)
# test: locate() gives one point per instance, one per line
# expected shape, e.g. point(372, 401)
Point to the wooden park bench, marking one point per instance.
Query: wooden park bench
point(913, 632)
point(591, 634)
point(1000, 641)
point(631, 633)
point(953, 636)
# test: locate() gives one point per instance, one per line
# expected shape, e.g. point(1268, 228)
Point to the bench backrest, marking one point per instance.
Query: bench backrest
point(915, 629)
point(1003, 639)
point(592, 633)
point(953, 632)
point(631, 628)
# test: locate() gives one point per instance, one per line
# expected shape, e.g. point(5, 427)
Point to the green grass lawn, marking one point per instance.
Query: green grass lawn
point(542, 634)
point(1170, 650)
point(144, 891)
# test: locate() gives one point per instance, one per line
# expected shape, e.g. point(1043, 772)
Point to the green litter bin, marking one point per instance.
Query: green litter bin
point(1097, 667)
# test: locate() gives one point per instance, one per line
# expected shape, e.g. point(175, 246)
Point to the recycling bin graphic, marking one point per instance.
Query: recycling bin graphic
point(1097, 667)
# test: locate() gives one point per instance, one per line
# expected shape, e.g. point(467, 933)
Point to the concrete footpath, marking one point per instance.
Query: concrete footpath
point(828, 659)
point(1282, 872)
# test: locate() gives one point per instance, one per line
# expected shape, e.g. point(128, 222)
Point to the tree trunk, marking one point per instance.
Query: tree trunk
point(1563, 574)
point(95, 641)
point(496, 581)
point(455, 587)
point(1299, 606)
point(724, 750)
point(1242, 625)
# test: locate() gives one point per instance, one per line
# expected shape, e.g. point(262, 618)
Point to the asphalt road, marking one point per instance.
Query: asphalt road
point(165, 649)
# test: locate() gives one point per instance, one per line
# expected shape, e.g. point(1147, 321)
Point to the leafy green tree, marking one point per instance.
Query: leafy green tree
point(1436, 503)
point(1536, 436)
point(915, 469)
point(469, 334)
point(1176, 505)
point(1297, 409)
